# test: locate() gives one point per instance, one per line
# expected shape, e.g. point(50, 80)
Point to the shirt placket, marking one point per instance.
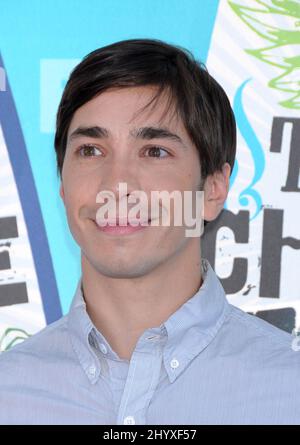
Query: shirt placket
point(142, 379)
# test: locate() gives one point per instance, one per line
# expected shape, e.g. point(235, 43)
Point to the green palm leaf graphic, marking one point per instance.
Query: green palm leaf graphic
point(261, 19)
point(11, 337)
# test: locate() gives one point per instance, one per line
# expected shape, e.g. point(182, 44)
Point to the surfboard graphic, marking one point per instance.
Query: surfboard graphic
point(29, 297)
point(250, 42)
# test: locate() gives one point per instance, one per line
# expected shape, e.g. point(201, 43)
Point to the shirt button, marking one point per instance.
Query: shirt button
point(92, 370)
point(153, 337)
point(174, 363)
point(103, 348)
point(129, 420)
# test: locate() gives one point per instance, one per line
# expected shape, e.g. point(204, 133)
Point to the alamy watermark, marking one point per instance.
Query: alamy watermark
point(157, 212)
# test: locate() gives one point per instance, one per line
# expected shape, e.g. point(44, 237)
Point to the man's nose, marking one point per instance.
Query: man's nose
point(117, 173)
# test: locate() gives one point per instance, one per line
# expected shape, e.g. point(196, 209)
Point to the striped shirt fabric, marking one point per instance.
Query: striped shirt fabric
point(208, 363)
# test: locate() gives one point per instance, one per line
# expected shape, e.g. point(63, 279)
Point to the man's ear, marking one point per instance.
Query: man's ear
point(61, 192)
point(216, 188)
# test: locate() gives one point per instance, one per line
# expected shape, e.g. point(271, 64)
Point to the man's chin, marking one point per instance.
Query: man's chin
point(121, 271)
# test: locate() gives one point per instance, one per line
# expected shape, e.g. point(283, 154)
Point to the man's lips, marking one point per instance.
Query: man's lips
point(122, 223)
point(118, 230)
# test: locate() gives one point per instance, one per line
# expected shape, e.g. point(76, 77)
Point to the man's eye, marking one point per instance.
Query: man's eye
point(154, 152)
point(88, 151)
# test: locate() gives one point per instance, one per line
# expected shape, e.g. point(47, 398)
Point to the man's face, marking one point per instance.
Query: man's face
point(157, 163)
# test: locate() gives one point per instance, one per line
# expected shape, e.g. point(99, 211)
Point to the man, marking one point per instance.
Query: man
point(150, 337)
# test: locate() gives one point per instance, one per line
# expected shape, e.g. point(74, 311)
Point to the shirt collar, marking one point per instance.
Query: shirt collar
point(183, 335)
point(194, 325)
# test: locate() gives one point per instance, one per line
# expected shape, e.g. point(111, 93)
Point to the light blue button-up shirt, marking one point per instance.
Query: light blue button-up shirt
point(209, 363)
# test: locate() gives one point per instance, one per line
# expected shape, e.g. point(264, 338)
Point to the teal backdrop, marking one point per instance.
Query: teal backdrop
point(251, 47)
point(53, 30)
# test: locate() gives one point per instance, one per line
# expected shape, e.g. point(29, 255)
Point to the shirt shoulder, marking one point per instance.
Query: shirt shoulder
point(260, 342)
point(48, 344)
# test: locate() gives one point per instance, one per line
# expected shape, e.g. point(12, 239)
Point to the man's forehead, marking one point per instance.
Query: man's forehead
point(155, 112)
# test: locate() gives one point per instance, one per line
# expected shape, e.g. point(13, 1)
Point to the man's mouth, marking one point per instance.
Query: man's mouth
point(122, 226)
point(123, 222)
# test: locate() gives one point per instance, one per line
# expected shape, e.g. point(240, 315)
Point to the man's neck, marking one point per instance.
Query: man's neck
point(122, 309)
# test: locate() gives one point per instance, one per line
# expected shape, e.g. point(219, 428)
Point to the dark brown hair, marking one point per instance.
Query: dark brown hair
point(199, 100)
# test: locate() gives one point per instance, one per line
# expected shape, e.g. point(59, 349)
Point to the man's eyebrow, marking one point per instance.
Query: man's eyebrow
point(139, 133)
point(92, 132)
point(155, 133)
